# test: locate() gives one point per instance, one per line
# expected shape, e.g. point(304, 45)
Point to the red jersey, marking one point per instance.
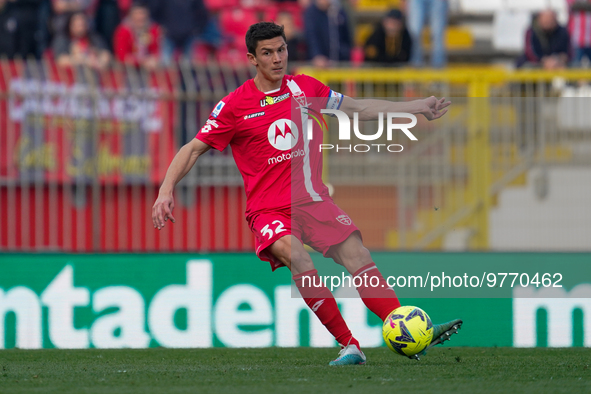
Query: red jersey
point(134, 48)
point(280, 165)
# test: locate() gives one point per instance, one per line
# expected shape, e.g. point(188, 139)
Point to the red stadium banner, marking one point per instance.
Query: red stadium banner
point(83, 125)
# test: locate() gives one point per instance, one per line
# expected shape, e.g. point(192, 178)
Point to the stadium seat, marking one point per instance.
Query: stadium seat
point(293, 8)
point(456, 37)
point(362, 33)
point(481, 6)
point(377, 5)
point(218, 5)
point(203, 53)
point(494, 6)
point(269, 14)
point(232, 54)
point(258, 5)
point(235, 23)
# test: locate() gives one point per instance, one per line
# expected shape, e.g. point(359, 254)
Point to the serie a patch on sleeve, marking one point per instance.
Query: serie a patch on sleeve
point(218, 108)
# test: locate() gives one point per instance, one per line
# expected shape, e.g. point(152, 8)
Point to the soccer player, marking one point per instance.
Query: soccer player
point(287, 203)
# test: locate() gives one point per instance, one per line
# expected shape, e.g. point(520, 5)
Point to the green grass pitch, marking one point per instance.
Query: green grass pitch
point(301, 370)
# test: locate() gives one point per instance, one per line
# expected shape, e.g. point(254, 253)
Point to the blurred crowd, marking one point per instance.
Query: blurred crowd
point(550, 46)
point(153, 33)
point(150, 33)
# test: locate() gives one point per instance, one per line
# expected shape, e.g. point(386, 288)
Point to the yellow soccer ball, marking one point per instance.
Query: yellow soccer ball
point(407, 330)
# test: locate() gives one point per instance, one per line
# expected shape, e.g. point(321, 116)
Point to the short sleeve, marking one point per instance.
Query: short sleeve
point(333, 99)
point(220, 128)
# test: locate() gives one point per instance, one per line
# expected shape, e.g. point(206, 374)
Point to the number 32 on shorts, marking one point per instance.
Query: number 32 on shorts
point(269, 232)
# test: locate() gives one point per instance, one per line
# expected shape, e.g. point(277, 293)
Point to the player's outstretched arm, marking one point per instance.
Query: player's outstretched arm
point(432, 108)
point(181, 164)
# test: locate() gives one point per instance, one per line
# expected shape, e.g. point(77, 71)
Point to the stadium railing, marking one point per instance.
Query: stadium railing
point(439, 195)
point(82, 153)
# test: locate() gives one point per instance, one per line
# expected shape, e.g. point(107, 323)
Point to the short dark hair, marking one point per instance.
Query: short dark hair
point(262, 31)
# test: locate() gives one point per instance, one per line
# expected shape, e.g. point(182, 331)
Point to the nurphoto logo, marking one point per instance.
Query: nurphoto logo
point(345, 131)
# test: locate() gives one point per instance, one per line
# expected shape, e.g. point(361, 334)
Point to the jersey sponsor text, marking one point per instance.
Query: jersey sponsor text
point(274, 100)
point(286, 156)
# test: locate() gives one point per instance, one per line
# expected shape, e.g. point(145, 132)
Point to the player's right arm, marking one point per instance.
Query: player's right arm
point(181, 164)
point(217, 133)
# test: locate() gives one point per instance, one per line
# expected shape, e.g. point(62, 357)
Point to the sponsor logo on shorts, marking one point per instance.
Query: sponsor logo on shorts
point(208, 125)
point(273, 100)
point(255, 115)
point(344, 219)
point(217, 109)
point(283, 134)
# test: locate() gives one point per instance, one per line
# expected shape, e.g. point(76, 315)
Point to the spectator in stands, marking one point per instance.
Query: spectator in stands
point(27, 12)
point(9, 29)
point(418, 11)
point(106, 20)
point(184, 22)
point(80, 46)
point(296, 45)
point(327, 33)
point(19, 28)
point(137, 39)
point(579, 28)
point(109, 14)
point(547, 44)
point(390, 41)
point(44, 27)
point(63, 9)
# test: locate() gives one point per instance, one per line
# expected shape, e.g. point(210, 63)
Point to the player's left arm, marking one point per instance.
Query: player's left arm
point(432, 108)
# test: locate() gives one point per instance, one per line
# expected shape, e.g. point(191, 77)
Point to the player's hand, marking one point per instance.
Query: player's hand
point(434, 108)
point(162, 211)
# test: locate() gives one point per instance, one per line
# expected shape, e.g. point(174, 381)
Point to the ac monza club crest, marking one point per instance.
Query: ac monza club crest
point(300, 97)
point(283, 134)
point(344, 219)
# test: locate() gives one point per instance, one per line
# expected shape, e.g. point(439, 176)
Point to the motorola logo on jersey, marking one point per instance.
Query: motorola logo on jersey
point(286, 156)
point(283, 134)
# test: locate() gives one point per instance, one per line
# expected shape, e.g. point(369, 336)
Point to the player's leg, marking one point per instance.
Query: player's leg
point(279, 244)
point(374, 291)
point(329, 230)
point(290, 251)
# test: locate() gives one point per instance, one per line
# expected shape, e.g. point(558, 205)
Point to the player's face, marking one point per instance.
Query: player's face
point(270, 59)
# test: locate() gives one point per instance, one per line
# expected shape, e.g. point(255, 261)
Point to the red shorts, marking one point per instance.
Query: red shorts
point(319, 225)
